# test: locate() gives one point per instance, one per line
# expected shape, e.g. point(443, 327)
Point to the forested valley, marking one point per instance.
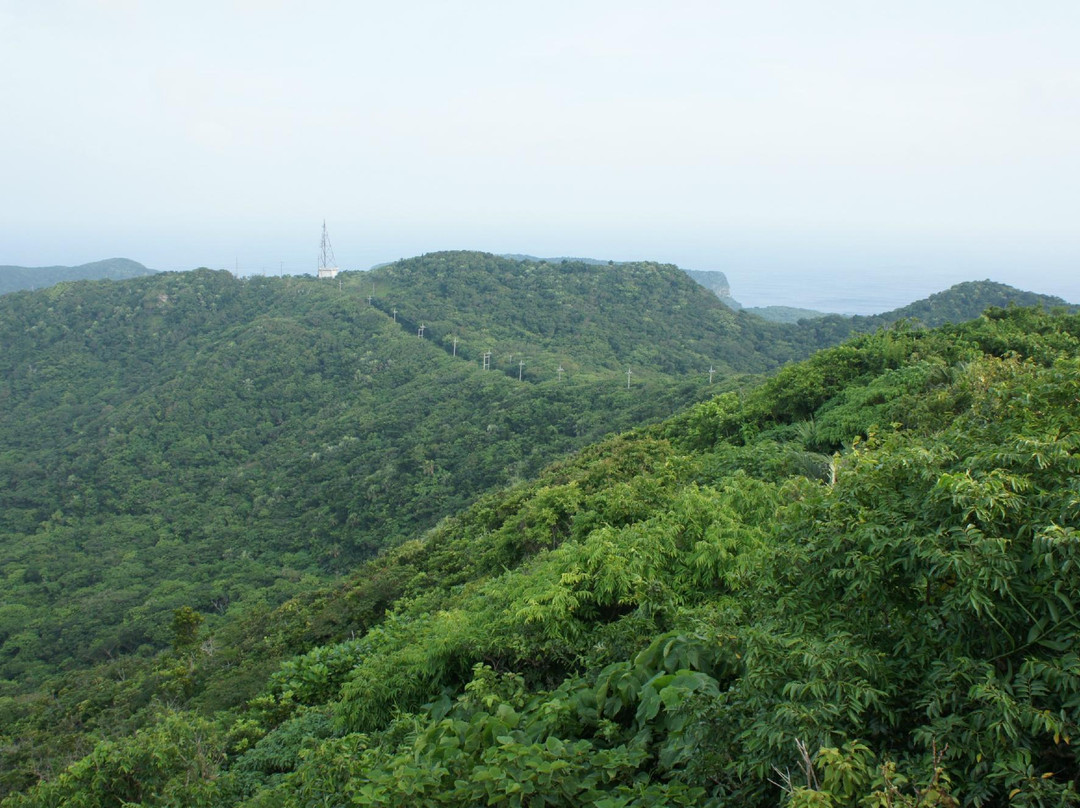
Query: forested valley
point(287, 542)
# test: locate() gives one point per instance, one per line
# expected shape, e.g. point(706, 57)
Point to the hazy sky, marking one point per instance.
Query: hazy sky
point(801, 147)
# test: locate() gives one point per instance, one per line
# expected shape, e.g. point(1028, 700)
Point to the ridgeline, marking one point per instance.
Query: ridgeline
point(13, 279)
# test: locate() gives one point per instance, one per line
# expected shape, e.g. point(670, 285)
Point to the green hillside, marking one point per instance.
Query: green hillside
point(197, 440)
point(963, 301)
point(784, 314)
point(195, 470)
point(967, 300)
point(14, 278)
point(853, 584)
point(585, 316)
point(713, 280)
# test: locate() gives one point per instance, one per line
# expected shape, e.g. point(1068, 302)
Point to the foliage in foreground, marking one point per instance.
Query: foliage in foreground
point(854, 585)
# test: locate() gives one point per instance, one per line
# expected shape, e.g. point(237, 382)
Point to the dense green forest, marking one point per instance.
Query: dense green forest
point(13, 278)
point(586, 317)
point(784, 314)
point(963, 301)
point(197, 440)
point(853, 579)
point(203, 441)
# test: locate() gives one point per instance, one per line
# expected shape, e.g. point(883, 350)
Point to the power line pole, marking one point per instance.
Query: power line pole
point(628, 372)
point(559, 370)
point(521, 365)
point(487, 360)
point(455, 346)
point(711, 372)
point(420, 331)
point(395, 315)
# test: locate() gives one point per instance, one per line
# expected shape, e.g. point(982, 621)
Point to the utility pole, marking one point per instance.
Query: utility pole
point(521, 365)
point(369, 299)
point(628, 372)
point(711, 372)
point(395, 315)
point(455, 346)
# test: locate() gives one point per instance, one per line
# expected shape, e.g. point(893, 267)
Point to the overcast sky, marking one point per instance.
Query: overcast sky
point(804, 148)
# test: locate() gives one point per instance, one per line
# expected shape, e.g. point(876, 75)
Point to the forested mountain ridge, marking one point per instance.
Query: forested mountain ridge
point(253, 432)
point(195, 440)
point(965, 301)
point(852, 584)
point(586, 316)
point(960, 302)
point(14, 278)
point(713, 280)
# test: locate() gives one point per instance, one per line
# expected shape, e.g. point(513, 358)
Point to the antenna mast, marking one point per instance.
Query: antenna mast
point(327, 263)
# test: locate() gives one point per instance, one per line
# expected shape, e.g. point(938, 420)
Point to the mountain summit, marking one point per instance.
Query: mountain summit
point(13, 278)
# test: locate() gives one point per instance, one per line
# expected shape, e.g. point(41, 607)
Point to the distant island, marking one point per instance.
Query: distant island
point(13, 278)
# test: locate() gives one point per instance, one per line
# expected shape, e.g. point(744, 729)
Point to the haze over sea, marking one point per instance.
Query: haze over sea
point(862, 278)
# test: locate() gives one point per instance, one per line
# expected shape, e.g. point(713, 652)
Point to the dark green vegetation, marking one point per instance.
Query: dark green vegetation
point(656, 621)
point(713, 280)
point(585, 317)
point(853, 584)
point(14, 278)
point(784, 314)
point(197, 440)
point(964, 301)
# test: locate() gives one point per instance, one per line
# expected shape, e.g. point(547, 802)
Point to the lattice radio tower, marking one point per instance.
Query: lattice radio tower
point(327, 263)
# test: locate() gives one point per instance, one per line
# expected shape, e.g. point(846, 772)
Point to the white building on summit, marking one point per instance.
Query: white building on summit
point(326, 256)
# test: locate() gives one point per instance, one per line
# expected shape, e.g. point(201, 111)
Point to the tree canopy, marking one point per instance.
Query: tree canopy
point(851, 584)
